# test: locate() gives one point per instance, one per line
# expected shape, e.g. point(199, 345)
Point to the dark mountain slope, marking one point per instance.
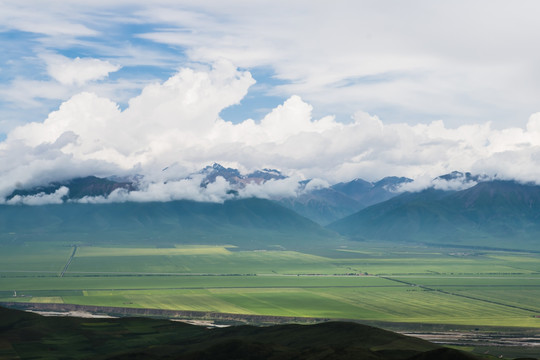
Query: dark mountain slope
point(31, 336)
point(488, 214)
point(246, 222)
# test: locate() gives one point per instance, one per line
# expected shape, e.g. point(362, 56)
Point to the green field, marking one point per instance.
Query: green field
point(363, 281)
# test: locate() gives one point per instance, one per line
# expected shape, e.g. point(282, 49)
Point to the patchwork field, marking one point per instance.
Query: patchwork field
point(362, 281)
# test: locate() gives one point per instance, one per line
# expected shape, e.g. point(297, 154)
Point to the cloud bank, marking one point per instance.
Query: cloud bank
point(176, 124)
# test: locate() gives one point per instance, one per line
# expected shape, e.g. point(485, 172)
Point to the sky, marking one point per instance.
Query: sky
point(319, 90)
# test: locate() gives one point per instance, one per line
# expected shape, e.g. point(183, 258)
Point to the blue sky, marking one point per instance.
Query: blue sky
point(117, 40)
point(414, 62)
point(335, 90)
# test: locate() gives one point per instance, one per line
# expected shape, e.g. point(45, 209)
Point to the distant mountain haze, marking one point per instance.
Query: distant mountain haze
point(491, 213)
point(342, 199)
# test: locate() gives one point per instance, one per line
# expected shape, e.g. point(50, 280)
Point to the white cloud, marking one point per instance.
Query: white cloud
point(184, 189)
point(40, 199)
point(272, 189)
point(408, 62)
point(31, 17)
point(176, 124)
point(77, 71)
point(455, 60)
point(458, 183)
point(316, 184)
point(31, 93)
point(533, 125)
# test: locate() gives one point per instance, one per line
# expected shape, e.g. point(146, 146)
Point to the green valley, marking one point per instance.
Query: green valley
point(360, 281)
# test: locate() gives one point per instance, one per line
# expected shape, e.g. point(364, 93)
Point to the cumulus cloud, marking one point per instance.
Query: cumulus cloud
point(77, 71)
point(176, 125)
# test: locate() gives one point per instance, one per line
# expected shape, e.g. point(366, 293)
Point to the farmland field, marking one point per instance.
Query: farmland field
point(362, 281)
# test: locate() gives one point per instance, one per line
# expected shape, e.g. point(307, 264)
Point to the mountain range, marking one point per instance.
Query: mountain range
point(234, 177)
point(337, 201)
point(321, 205)
point(491, 213)
point(488, 213)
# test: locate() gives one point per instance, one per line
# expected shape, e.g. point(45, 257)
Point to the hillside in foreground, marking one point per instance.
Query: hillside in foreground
point(31, 336)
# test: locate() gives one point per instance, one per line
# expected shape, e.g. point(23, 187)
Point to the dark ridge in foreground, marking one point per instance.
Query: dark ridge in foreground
point(31, 336)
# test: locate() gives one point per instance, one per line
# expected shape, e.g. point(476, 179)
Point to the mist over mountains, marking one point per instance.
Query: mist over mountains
point(314, 199)
point(91, 134)
point(458, 208)
point(224, 182)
